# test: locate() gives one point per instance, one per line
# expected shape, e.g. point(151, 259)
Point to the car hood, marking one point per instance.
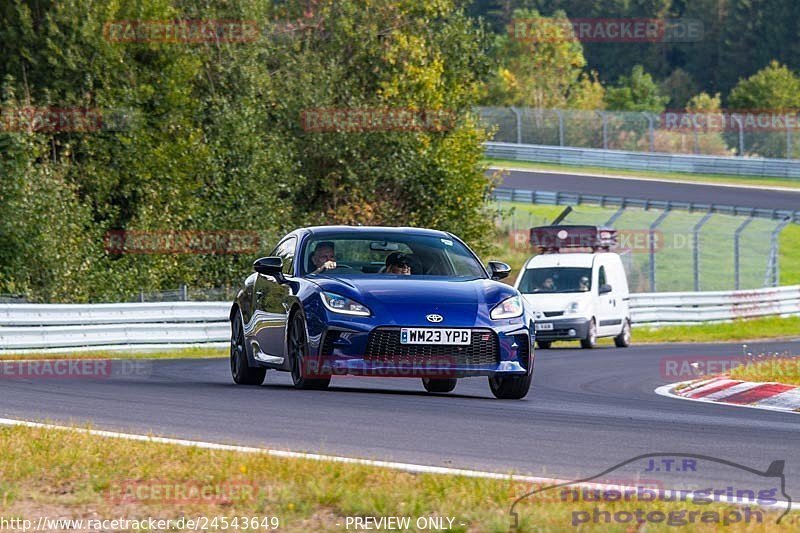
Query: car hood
point(553, 301)
point(407, 300)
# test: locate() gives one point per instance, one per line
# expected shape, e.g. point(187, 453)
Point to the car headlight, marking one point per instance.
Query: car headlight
point(508, 308)
point(339, 304)
point(572, 308)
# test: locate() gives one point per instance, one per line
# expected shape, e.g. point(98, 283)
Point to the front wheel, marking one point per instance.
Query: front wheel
point(510, 387)
point(623, 340)
point(241, 371)
point(439, 385)
point(590, 341)
point(298, 351)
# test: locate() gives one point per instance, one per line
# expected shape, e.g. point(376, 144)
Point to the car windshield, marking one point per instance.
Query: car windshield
point(556, 279)
point(422, 255)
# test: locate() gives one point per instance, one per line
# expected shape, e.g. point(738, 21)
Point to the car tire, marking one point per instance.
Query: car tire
point(544, 345)
point(439, 385)
point(590, 341)
point(510, 387)
point(298, 352)
point(241, 371)
point(623, 340)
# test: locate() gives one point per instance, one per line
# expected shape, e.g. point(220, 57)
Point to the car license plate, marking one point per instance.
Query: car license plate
point(544, 326)
point(452, 337)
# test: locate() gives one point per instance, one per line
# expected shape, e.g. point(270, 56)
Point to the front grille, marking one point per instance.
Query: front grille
point(553, 313)
point(327, 343)
point(523, 348)
point(384, 347)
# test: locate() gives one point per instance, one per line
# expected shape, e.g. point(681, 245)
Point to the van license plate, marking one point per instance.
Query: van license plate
point(544, 326)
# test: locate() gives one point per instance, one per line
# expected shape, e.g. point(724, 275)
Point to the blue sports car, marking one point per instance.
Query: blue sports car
point(375, 301)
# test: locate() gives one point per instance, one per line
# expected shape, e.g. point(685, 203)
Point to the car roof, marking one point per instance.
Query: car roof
point(579, 259)
point(327, 230)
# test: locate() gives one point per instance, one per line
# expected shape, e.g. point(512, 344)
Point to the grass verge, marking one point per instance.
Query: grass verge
point(55, 473)
point(183, 353)
point(687, 177)
point(738, 330)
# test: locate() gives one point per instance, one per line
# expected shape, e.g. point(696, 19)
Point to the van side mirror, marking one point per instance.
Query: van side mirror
point(499, 270)
point(605, 288)
point(269, 266)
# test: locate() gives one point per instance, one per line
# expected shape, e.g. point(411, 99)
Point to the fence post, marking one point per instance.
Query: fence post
point(610, 222)
point(651, 130)
point(788, 142)
point(772, 278)
point(560, 127)
point(519, 123)
point(605, 128)
point(738, 120)
point(657, 222)
point(736, 259)
point(184, 293)
point(696, 248)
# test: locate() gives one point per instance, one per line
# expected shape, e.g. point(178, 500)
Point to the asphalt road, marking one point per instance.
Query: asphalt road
point(588, 410)
point(654, 190)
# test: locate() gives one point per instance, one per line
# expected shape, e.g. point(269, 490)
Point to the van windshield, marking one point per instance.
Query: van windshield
point(556, 279)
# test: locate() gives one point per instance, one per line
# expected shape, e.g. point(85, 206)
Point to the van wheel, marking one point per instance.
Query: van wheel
point(439, 385)
point(544, 345)
point(591, 337)
point(623, 340)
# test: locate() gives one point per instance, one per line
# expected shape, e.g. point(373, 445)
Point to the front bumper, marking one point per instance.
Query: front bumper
point(347, 349)
point(564, 329)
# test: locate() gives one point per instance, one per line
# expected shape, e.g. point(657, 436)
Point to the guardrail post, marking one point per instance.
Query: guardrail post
point(651, 130)
point(696, 248)
point(772, 278)
point(736, 259)
point(519, 123)
point(657, 222)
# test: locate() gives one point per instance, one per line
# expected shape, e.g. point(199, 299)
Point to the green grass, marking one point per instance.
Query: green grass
point(778, 369)
point(184, 353)
point(58, 473)
point(674, 176)
point(674, 258)
point(738, 330)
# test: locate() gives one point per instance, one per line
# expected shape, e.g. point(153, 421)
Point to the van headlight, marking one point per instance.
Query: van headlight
point(337, 303)
point(508, 308)
point(573, 308)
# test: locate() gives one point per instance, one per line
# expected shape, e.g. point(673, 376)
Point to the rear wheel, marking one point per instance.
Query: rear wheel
point(241, 371)
point(590, 341)
point(510, 387)
point(439, 385)
point(623, 340)
point(298, 351)
point(544, 345)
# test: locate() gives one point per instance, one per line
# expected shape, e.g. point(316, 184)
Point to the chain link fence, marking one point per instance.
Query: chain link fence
point(727, 133)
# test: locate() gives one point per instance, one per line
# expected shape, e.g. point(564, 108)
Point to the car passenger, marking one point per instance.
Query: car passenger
point(397, 263)
point(548, 285)
point(323, 257)
point(583, 286)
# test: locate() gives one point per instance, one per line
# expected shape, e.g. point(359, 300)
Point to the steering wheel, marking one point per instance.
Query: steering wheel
point(342, 266)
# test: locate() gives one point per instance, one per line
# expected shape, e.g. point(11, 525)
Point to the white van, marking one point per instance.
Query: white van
point(581, 295)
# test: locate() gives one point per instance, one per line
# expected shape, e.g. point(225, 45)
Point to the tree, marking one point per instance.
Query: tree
point(637, 92)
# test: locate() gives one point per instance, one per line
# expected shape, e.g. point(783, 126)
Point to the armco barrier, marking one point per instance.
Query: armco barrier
point(141, 325)
point(666, 308)
point(700, 164)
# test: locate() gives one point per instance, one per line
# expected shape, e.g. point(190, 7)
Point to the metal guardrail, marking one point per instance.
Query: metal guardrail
point(668, 308)
point(56, 327)
point(126, 325)
point(569, 198)
point(700, 164)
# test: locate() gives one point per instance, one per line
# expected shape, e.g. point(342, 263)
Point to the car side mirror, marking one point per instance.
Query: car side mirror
point(269, 266)
point(499, 270)
point(605, 288)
